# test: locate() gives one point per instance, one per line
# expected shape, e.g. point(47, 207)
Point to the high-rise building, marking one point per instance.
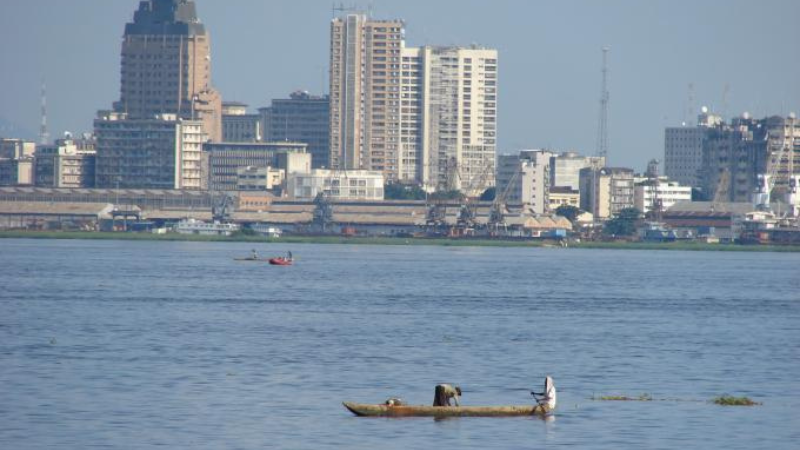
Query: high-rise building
point(166, 66)
point(300, 118)
point(683, 149)
point(365, 92)
point(749, 156)
point(452, 106)
point(162, 152)
point(425, 115)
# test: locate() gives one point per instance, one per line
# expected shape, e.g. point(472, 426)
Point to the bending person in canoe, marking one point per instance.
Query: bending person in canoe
point(443, 393)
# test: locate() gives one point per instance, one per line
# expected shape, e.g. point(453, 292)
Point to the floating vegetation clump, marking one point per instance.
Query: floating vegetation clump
point(729, 400)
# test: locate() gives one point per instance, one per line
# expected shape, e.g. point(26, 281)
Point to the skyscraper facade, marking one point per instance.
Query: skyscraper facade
point(457, 104)
point(365, 93)
point(166, 66)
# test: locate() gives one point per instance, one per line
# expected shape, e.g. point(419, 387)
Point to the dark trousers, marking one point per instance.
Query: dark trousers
point(440, 397)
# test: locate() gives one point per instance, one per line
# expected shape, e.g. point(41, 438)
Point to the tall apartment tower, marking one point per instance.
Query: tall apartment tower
point(457, 114)
point(365, 93)
point(166, 66)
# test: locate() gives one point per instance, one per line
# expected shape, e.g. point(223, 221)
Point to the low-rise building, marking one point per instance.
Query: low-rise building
point(650, 193)
point(337, 184)
point(226, 158)
point(163, 152)
point(607, 191)
point(525, 179)
point(564, 196)
point(16, 162)
point(69, 163)
point(238, 125)
point(565, 168)
point(254, 178)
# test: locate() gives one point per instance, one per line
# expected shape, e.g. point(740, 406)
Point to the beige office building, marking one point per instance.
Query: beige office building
point(166, 66)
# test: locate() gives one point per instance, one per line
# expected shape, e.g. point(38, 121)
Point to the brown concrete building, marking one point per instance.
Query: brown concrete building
point(166, 66)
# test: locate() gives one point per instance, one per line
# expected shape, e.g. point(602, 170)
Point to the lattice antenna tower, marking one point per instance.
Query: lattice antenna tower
point(44, 135)
point(602, 130)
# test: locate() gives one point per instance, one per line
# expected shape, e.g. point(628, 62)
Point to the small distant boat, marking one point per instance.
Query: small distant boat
point(368, 410)
point(281, 261)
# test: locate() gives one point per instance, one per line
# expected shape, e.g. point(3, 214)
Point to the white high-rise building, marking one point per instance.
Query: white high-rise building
point(525, 179)
point(449, 117)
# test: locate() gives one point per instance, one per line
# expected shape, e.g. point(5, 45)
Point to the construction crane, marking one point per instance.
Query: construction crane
point(656, 207)
point(497, 215)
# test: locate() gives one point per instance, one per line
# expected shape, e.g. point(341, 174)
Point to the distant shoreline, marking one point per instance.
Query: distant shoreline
point(460, 242)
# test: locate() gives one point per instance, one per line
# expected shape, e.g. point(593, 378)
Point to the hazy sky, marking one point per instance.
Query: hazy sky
point(549, 63)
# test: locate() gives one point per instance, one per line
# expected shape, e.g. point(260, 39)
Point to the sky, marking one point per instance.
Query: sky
point(738, 56)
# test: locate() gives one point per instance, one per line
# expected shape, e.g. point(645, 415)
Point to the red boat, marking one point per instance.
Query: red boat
point(281, 261)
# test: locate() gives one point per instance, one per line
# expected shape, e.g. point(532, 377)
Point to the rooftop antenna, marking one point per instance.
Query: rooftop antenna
point(44, 135)
point(690, 118)
point(342, 8)
point(602, 131)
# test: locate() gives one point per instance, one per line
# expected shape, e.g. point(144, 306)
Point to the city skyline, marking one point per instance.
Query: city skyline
point(648, 78)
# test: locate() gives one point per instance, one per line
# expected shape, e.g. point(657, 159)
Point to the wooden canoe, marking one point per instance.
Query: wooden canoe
point(367, 410)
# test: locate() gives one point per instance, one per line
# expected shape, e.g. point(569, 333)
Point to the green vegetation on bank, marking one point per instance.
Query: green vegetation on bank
point(443, 241)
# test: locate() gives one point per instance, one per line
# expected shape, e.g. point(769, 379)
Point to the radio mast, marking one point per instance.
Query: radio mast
point(44, 135)
point(602, 130)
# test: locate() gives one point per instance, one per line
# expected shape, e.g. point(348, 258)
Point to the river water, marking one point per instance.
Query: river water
point(173, 344)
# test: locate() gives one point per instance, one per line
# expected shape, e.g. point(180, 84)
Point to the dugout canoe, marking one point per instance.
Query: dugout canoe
point(368, 410)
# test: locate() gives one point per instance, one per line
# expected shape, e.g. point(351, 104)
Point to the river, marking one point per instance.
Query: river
point(128, 344)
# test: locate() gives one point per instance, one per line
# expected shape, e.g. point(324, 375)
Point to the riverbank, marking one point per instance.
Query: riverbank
point(462, 242)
